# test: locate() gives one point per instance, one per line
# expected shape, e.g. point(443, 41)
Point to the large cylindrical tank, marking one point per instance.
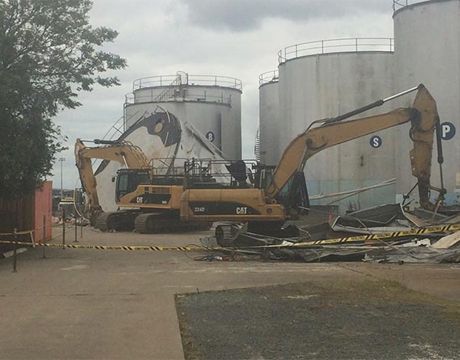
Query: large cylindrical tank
point(427, 50)
point(166, 142)
point(270, 125)
point(212, 104)
point(331, 77)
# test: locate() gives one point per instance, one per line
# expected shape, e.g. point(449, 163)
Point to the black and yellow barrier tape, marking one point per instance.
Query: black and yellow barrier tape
point(394, 234)
point(110, 247)
point(445, 228)
point(17, 233)
point(415, 232)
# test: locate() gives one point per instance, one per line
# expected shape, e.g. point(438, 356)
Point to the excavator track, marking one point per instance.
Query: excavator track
point(154, 223)
point(116, 221)
point(239, 234)
point(226, 234)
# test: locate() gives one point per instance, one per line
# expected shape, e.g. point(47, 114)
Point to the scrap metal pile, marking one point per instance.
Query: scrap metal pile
point(384, 234)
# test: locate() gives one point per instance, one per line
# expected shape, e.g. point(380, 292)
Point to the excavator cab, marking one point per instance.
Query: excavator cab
point(128, 180)
point(263, 175)
point(294, 195)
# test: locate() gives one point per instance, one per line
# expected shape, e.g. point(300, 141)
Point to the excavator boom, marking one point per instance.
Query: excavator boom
point(422, 135)
point(125, 153)
point(422, 115)
point(317, 139)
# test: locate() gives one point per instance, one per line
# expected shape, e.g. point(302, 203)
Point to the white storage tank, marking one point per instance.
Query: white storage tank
point(212, 104)
point(165, 140)
point(427, 50)
point(270, 126)
point(324, 79)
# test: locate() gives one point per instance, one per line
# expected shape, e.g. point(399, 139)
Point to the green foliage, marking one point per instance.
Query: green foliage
point(48, 53)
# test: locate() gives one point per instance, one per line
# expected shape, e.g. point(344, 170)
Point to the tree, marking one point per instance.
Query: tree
point(48, 54)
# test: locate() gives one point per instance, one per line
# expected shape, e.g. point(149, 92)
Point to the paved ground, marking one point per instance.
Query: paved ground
point(87, 304)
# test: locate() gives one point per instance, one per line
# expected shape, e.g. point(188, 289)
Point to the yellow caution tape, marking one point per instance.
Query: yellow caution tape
point(110, 247)
point(376, 237)
point(18, 233)
point(395, 234)
point(446, 228)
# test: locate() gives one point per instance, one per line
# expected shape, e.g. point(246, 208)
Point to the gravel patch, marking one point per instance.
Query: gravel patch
point(343, 320)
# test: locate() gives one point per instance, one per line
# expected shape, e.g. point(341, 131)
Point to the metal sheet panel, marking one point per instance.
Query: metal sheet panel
point(43, 212)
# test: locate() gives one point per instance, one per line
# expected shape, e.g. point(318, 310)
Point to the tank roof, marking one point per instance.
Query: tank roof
point(399, 5)
point(332, 46)
point(268, 77)
point(182, 78)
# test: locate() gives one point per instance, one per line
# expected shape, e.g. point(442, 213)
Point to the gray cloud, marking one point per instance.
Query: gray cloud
point(160, 37)
point(243, 15)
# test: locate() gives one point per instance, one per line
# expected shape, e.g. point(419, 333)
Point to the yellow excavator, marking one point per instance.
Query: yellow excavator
point(195, 194)
point(124, 152)
point(147, 196)
point(280, 195)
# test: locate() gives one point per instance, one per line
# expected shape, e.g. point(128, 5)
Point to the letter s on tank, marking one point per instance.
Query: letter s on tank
point(376, 141)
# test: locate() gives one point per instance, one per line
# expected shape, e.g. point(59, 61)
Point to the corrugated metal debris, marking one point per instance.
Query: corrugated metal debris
point(383, 234)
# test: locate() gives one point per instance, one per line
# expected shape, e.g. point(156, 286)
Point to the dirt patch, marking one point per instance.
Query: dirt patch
point(360, 320)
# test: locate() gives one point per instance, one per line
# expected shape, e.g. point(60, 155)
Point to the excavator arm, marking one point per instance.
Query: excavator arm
point(422, 134)
point(422, 115)
point(125, 153)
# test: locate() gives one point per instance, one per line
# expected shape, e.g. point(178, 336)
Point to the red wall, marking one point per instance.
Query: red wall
point(32, 212)
point(43, 212)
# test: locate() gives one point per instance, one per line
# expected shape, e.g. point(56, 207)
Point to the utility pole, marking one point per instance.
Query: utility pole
point(61, 159)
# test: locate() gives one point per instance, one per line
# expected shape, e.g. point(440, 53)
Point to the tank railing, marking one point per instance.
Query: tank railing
point(132, 116)
point(171, 90)
point(186, 79)
point(173, 93)
point(268, 77)
point(212, 80)
point(115, 130)
point(160, 80)
point(335, 46)
point(397, 4)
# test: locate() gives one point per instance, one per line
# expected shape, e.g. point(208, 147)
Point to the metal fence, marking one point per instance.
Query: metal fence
point(173, 86)
point(335, 46)
point(186, 79)
point(398, 4)
point(268, 77)
point(173, 94)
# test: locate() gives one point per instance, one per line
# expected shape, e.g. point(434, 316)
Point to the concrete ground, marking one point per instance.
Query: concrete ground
point(90, 304)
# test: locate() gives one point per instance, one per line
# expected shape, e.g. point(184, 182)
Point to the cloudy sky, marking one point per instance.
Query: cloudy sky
point(237, 38)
